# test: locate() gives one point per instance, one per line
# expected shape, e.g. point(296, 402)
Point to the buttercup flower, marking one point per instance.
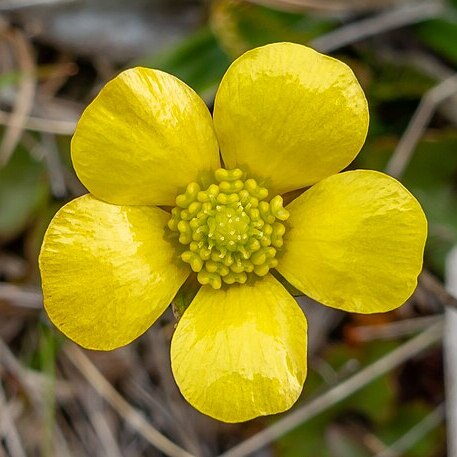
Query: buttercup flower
point(163, 204)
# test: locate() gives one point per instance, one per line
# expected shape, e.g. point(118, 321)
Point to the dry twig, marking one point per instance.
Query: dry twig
point(436, 288)
point(8, 428)
point(415, 434)
point(21, 297)
point(14, 5)
point(131, 415)
point(428, 64)
point(380, 23)
point(392, 330)
point(181, 419)
point(94, 407)
point(25, 96)
point(328, 5)
point(416, 128)
point(450, 348)
point(54, 165)
point(38, 124)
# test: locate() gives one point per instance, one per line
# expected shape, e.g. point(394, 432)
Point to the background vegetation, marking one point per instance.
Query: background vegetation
point(375, 386)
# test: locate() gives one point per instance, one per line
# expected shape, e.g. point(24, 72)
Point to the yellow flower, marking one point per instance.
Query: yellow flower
point(285, 118)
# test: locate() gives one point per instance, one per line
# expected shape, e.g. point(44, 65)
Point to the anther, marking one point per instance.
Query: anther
point(230, 229)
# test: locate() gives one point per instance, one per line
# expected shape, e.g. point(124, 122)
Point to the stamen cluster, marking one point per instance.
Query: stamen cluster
point(230, 228)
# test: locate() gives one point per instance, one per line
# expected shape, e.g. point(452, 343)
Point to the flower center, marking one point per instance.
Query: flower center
point(229, 229)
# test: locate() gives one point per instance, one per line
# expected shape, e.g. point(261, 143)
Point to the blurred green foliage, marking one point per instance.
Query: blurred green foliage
point(234, 27)
point(23, 190)
point(375, 411)
point(441, 36)
point(199, 61)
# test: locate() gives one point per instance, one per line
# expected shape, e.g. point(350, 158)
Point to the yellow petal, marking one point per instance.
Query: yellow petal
point(240, 352)
point(107, 271)
point(355, 242)
point(289, 115)
point(145, 136)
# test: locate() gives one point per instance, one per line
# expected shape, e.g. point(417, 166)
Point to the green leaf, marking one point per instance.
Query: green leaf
point(441, 36)
point(198, 60)
point(241, 26)
point(307, 440)
point(376, 400)
point(406, 417)
point(34, 237)
point(397, 82)
point(23, 189)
